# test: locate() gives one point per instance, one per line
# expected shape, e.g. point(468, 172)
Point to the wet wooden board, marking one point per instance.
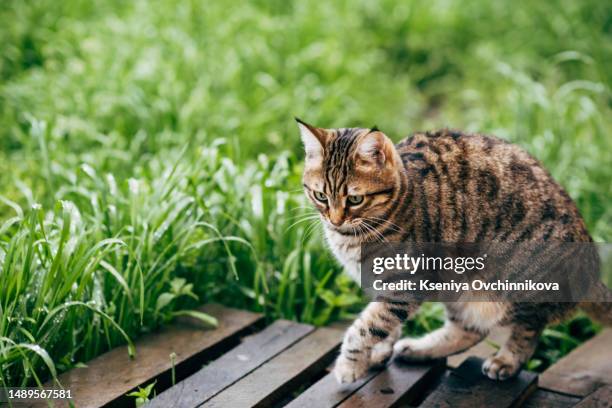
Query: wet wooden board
point(585, 369)
point(283, 374)
point(107, 378)
point(466, 386)
point(235, 364)
point(287, 363)
point(600, 398)
point(399, 383)
point(544, 398)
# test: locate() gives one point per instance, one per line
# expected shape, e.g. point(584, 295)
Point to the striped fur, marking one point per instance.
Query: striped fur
point(442, 186)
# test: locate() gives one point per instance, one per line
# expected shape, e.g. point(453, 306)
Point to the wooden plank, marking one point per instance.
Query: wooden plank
point(235, 364)
point(466, 386)
point(483, 349)
point(327, 392)
point(583, 370)
point(544, 398)
point(601, 398)
point(396, 383)
point(107, 378)
point(399, 383)
point(282, 374)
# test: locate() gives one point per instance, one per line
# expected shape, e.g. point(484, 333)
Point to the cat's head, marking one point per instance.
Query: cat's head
point(351, 175)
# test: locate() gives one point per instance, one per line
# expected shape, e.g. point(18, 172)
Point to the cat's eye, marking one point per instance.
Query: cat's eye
point(320, 196)
point(354, 199)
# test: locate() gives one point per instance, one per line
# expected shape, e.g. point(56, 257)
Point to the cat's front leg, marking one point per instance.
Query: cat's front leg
point(376, 323)
point(382, 352)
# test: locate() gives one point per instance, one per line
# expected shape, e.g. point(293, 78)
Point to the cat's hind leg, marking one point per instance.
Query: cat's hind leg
point(450, 339)
point(519, 347)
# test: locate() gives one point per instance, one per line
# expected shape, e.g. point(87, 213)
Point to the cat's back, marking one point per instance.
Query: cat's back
point(480, 187)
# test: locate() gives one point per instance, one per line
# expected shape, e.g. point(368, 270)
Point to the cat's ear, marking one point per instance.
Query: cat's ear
point(374, 148)
point(314, 139)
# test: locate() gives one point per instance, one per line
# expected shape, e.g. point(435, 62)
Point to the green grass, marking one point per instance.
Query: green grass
point(149, 161)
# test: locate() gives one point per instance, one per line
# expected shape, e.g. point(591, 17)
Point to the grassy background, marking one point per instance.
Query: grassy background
point(149, 161)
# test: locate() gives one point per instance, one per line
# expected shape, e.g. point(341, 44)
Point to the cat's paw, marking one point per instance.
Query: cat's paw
point(501, 367)
point(411, 350)
point(348, 371)
point(381, 353)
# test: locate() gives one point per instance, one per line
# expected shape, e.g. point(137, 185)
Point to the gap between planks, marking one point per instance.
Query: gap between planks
point(283, 374)
point(254, 351)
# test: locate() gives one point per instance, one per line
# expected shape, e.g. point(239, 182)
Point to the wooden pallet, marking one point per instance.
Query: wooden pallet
point(244, 363)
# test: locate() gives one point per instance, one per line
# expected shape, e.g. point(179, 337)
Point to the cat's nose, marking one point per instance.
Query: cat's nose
point(336, 219)
point(336, 223)
point(336, 215)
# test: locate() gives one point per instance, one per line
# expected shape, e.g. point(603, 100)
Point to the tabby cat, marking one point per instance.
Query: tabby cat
point(442, 186)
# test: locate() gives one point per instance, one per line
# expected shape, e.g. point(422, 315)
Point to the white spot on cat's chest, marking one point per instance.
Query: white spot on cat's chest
point(347, 251)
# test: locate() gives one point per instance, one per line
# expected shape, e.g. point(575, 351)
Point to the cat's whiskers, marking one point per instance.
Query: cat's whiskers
point(374, 232)
point(302, 207)
point(359, 232)
point(377, 233)
point(296, 216)
point(304, 219)
point(308, 232)
point(382, 221)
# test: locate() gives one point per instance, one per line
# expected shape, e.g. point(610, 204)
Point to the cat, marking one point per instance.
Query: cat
point(441, 186)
